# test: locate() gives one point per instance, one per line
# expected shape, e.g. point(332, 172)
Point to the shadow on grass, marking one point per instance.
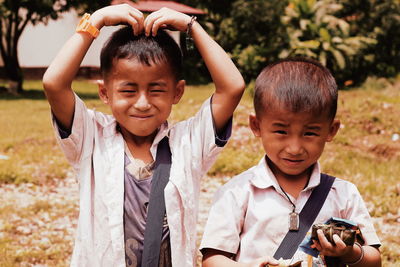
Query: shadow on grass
point(36, 94)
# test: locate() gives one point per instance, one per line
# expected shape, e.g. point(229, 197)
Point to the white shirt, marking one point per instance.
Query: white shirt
point(96, 151)
point(249, 217)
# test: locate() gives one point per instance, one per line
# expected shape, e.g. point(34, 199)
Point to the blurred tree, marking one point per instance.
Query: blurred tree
point(354, 38)
point(195, 71)
point(15, 16)
point(315, 31)
point(379, 19)
point(250, 31)
point(253, 33)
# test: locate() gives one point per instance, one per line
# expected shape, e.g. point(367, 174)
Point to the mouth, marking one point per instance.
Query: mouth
point(141, 117)
point(293, 162)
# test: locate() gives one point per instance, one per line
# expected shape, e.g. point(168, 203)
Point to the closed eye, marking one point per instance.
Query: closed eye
point(311, 134)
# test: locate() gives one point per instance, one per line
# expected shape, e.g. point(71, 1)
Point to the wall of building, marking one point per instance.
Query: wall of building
point(40, 43)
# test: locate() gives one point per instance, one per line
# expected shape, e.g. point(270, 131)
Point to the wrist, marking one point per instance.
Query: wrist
point(191, 25)
point(354, 256)
point(85, 26)
point(96, 19)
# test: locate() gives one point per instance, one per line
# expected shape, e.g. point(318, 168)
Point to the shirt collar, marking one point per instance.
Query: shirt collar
point(264, 177)
point(162, 132)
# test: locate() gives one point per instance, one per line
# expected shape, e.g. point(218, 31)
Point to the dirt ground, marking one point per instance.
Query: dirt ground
point(49, 231)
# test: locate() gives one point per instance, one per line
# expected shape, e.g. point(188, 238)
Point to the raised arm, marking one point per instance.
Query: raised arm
point(229, 83)
point(58, 78)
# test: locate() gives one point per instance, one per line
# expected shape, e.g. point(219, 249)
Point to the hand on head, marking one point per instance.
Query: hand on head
point(165, 18)
point(126, 14)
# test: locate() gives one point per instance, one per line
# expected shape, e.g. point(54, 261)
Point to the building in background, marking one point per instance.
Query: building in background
point(39, 43)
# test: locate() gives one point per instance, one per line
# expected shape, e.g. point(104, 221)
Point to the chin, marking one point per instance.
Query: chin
point(297, 172)
point(140, 133)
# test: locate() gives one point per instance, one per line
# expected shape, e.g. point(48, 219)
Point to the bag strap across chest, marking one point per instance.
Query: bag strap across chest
point(292, 240)
point(156, 209)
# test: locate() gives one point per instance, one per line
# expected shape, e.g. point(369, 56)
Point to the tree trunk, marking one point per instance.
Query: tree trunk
point(14, 75)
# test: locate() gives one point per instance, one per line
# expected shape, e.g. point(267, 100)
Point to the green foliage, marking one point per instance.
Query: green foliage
point(315, 31)
point(251, 34)
point(353, 38)
point(249, 30)
point(380, 20)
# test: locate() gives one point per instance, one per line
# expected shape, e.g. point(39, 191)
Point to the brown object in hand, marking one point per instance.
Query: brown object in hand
point(346, 234)
point(296, 264)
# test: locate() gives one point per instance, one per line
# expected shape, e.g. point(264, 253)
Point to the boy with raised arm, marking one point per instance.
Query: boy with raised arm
point(295, 106)
point(118, 156)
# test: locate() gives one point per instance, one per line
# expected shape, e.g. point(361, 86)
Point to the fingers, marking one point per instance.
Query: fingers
point(338, 241)
point(152, 23)
point(336, 248)
point(123, 14)
point(265, 261)
point(165, 17)
point(137, 25)
point(322, 239)
point(136, 19)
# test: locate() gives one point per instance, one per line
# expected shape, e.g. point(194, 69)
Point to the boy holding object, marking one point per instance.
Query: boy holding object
point(295, 106)
point(116, 156)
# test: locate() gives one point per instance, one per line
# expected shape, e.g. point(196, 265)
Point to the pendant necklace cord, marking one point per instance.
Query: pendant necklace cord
point(294, 219)
point(294, 206)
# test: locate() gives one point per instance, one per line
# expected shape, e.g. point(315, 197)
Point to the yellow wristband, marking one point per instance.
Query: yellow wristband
point(85, 26)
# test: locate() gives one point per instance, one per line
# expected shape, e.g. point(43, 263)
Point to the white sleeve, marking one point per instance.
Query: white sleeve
point(79, 143)
point(226, 218)
point(199, 132)
point(358, 212)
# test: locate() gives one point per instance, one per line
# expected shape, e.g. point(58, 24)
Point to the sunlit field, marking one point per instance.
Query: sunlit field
point(38, 196)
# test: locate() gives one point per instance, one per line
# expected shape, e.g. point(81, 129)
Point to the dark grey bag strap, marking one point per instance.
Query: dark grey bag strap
point(156, 210)
point(307, 216)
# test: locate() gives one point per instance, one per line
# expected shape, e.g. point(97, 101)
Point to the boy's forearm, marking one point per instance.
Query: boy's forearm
point(223, 71)
point(65, 65)
point(371, 257)
point(58, 78)
point(221, 261)
point(229, 83)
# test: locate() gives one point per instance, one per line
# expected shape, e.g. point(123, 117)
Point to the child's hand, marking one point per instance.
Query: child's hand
point(165, 18)
point(118, 14)
point(338, 249)
point(263, 262)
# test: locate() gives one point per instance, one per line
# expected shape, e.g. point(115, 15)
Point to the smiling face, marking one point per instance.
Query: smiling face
point(140, 96)
point(293, 142)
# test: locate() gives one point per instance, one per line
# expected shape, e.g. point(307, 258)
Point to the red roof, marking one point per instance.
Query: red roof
point(150, 6)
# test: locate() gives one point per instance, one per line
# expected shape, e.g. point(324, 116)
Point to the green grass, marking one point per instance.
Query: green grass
point(363, 152)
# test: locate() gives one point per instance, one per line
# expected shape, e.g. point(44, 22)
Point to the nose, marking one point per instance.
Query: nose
point(294, 147)
point(142, 103)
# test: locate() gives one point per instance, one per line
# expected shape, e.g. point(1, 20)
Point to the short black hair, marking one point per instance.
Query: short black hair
point(123, 44)
point(298, 84)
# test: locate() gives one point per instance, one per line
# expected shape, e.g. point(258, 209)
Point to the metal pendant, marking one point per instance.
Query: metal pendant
point(294, 221)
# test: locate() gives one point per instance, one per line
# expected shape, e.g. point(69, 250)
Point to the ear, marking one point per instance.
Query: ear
point(254, 125)
point(103, 92)
point(179, 90)
point(334, 128)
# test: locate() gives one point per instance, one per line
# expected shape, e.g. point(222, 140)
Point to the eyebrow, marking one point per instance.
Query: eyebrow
point(128, 84)
point(158, 83)
point(313, 127)
point(280, 124)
